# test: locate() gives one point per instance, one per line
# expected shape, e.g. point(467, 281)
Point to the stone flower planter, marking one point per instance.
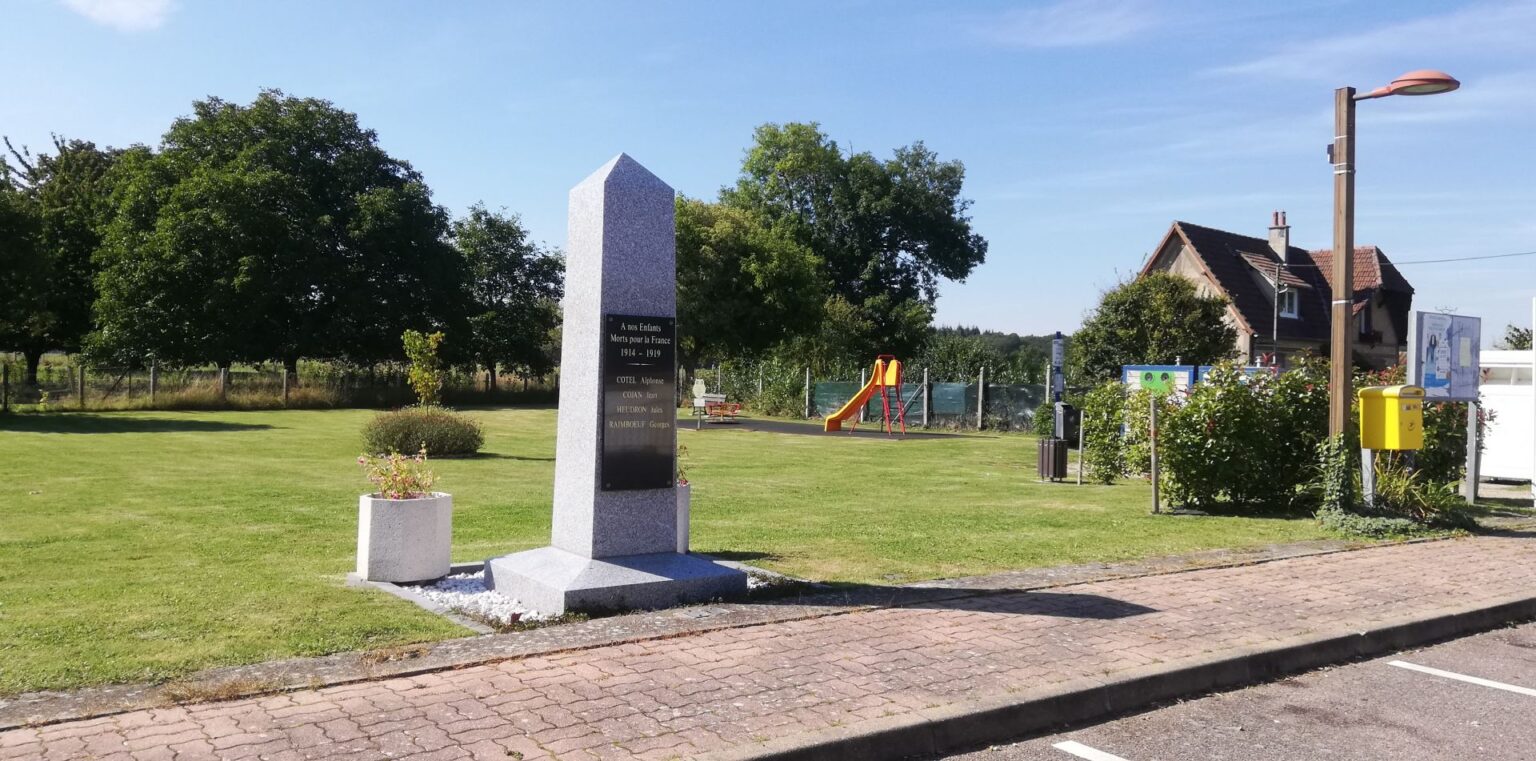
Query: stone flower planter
point(684, 500)
point(404, 540)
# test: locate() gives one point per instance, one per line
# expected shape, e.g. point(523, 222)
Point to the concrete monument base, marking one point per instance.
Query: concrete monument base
point(551, 580)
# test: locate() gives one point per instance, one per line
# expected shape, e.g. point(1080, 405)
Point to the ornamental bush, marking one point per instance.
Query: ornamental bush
point(1103, 449)
point(441, 432)
point(1246, 439)
point(426, 369)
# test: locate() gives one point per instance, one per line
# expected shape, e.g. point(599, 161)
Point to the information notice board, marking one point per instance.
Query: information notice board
point(1445, 356)
point(639, 402)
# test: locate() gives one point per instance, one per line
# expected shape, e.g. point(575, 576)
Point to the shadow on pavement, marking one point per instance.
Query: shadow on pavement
point(1010, 601)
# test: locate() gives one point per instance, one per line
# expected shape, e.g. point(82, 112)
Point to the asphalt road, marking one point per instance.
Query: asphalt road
point(1368, 710)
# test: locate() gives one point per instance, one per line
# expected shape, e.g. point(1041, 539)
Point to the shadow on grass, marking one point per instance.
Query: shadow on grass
point(742, 557)
point(1229, 510)
point(1494, 503)
point(497, 456)
point(84, 422)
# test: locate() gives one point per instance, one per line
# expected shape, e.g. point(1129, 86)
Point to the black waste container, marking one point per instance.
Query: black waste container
point(1052, 459)
point(1067, 419)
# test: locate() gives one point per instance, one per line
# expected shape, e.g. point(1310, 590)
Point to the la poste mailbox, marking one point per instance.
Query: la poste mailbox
point(1392, 417)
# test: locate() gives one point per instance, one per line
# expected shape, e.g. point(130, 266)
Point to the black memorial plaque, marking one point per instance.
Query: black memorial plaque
point(639, 402)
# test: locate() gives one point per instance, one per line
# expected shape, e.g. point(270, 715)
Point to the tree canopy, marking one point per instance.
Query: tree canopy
point(515, 287)
point(1516, 337)
point(1155, 319)
point(66, 198)
point(275, 230)
point(742, 286)
point(886, 231)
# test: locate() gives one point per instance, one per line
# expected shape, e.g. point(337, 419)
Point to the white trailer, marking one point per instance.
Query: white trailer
point(1509, 445)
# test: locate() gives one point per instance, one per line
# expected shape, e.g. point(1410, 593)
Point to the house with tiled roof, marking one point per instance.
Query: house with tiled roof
point(1278, 295)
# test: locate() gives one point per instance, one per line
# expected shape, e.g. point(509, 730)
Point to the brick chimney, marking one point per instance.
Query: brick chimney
point(1280, 237)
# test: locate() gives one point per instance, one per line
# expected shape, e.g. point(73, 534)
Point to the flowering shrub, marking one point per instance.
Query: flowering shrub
point(399, 476)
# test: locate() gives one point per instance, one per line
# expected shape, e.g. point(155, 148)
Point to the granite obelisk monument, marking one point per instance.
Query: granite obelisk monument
point(614, 543)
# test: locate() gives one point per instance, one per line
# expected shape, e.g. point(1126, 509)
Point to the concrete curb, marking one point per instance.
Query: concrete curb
point(973, 724)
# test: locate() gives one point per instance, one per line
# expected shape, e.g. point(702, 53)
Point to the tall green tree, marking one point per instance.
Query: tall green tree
point(742, 286)
point(887, 231)
point(1151, 320)
point(278, 229)
point(21, 279)
point(69, 192)
point(515, 287)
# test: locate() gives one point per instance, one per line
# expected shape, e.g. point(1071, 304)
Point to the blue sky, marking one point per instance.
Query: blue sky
point(1086, 126)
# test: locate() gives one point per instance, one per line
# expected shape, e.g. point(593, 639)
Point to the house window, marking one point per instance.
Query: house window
point(1289, 304)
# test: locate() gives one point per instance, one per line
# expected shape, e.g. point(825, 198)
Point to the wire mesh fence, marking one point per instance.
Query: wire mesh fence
point(62, 384)
point(778, 388)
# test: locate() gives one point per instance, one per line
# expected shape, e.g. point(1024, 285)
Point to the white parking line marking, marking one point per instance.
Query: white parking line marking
point(1082, 751)
point(1464, 678)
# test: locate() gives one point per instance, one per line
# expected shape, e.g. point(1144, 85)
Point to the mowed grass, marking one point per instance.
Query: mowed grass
point(143, 546)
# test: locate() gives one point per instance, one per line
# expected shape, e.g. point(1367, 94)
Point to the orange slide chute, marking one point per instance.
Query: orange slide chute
point(886, 379)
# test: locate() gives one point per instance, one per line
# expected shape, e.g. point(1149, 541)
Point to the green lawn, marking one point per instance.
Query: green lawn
point(142, 546)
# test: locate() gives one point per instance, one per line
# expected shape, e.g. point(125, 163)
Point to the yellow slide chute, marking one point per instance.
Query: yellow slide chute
point(886, 379)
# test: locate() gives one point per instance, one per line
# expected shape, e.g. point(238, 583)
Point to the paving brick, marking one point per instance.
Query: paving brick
point(680, 697)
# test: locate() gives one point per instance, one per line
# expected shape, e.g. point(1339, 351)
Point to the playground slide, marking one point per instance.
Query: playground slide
point(887, 374)
point(834, 421)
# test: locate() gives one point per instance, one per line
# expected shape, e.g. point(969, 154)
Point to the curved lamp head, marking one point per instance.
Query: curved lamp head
point(1421, 82)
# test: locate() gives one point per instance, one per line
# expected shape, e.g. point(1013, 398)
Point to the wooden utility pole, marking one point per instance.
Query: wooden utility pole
point(1342, 337)
point(1152, 442)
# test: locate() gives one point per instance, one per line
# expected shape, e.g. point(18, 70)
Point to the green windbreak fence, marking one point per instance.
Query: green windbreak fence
point(952, 404)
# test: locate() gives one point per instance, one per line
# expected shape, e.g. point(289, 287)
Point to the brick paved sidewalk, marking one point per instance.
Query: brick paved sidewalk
point(737, 688)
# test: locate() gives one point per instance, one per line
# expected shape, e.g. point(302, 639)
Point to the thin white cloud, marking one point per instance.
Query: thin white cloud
point(1482, 30)
point(1068, 23)
point(123, 15)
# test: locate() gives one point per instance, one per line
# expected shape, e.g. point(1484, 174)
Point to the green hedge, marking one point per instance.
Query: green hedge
point(443, 432)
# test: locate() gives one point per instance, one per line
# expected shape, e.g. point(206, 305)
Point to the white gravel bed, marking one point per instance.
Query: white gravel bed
point(466, 593)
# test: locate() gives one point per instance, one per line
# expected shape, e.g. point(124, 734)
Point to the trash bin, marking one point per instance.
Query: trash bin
point(1052, 459)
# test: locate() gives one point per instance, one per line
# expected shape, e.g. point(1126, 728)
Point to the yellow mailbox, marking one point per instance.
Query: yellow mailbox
point(1392, 417)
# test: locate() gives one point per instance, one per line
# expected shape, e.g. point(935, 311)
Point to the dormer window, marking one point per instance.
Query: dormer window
point(1289, 305)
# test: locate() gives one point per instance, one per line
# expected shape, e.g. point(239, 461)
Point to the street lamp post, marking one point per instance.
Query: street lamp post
point(1342, 153)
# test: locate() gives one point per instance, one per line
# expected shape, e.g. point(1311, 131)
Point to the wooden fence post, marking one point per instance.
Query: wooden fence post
point(154, 381)
point(82, 387)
